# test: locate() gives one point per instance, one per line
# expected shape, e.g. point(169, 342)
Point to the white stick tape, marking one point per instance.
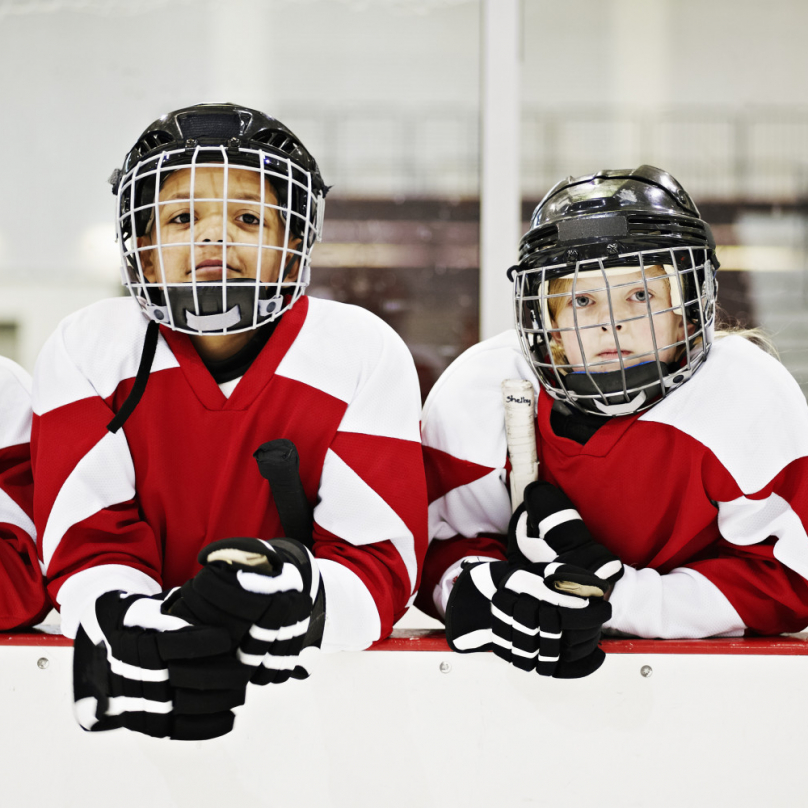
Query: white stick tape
point(520, 431)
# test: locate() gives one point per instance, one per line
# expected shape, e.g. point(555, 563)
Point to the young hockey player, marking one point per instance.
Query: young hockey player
point(22, 591)
point(146, 427)
point(672, 491)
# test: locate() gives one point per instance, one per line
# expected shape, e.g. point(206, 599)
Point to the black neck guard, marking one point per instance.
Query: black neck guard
point(235, 366)
point(574, 424)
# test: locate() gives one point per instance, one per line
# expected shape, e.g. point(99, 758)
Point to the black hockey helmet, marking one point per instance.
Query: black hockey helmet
point(613, 212)
point(613, 220)
point(237, 138)
point(215, 133)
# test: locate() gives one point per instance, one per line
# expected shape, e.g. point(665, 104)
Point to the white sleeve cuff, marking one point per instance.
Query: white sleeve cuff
point(680, 605)
point(440, 595)
point(352, 620)
point(80, 591)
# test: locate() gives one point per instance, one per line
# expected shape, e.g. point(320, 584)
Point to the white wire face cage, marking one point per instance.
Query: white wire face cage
point(612, 336)
point(182, 212)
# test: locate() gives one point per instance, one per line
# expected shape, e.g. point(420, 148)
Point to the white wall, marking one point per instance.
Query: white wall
point(684, 53)
point(434, 730)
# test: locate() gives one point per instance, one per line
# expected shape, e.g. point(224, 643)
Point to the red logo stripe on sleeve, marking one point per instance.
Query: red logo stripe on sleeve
point(444, 472)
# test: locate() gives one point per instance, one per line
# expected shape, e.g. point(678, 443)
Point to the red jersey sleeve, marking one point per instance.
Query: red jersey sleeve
point(23, 601)
point(85, 505)
point(371, 517)
point(761, 561)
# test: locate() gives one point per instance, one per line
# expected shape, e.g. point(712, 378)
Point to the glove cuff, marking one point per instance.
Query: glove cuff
point(468, 610)
point(300, 556)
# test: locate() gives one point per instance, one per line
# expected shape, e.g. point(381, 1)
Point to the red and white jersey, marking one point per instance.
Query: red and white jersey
point(704, 496)
point(131, 510)
point(22, 592)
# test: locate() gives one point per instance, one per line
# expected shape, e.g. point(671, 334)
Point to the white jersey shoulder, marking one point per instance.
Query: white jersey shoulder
point(464, 414)
point(15, 404)
point(91, 352)
point(745, 407)
point(351, 354)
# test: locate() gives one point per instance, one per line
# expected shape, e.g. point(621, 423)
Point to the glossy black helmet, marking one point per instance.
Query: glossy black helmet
point(599, 239)
point(237, 139)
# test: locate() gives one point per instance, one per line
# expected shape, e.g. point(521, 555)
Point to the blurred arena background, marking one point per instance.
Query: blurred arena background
point(387, 95)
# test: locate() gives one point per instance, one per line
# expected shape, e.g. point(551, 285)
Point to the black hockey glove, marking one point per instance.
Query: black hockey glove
point(269, 597)
point(538, 617)
point(136, 667)
point(546, 527)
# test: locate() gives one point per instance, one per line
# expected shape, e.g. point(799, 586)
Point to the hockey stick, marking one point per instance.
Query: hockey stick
point(520, 434)
point(279, 465)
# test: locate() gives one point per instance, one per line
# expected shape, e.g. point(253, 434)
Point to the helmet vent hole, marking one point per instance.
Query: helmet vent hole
point(667, 226)
point(153, 140)
point(276, 140)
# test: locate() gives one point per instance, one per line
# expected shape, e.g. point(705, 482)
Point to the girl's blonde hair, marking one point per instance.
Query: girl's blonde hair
point(757, 336)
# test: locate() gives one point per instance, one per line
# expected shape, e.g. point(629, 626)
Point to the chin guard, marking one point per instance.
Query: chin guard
point(210, 310)
point(605, 393)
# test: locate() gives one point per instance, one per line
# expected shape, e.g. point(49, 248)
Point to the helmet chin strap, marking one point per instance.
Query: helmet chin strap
point(199, 309)
point(205, 323)
point(605, 393)
point(622, 409)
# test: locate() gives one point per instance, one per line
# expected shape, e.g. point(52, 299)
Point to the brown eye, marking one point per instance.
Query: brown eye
point(249, 218)
point(180, 218)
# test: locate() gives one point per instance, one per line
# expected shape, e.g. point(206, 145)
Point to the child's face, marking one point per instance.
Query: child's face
point(633, 329)
point(240, 229)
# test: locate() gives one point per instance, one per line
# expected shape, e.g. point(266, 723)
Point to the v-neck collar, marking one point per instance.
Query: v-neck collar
point(599, 445)
point(258, 374)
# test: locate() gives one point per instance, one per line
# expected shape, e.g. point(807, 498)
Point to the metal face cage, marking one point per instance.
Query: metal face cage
point(612, 336)
point(264, 213)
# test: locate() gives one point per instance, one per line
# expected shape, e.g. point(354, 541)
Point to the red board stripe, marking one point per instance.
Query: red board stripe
point(434, 640)
point(34, 638)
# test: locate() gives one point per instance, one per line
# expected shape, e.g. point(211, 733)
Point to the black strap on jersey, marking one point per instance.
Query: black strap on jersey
point(224, 370)
point(143, 371)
